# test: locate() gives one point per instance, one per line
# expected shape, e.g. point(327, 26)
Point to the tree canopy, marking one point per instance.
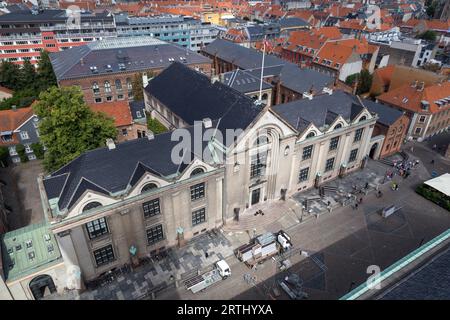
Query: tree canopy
point(364, 79)
point(428, 35)
point(68, 127)
point(26, 81)
point(138, 87)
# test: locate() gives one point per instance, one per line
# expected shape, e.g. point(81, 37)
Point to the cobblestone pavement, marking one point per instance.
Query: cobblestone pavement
point(159, 275)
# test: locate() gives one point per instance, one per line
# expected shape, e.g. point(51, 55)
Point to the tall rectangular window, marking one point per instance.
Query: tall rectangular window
point(358, 135)
point(303, 175)
point(353, 155)
point(155, 234)
point(97, 228)
point(307, 152)
point(258, 164)
point(334, 143)
point(329, 164)
point(151, 208)
point(104, 255)
point(198, 191)
point(198, 216)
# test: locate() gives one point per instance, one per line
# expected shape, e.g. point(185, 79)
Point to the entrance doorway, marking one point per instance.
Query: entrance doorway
point(42, 286)
point(373, 150)
point(256, 194)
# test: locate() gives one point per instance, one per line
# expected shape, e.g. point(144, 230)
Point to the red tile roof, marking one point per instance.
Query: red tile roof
point(385, 74)
point(11, 119)
point(409, 98)
point(118, 110)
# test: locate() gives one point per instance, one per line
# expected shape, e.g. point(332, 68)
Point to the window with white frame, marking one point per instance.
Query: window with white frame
point(97, 228)
point(155, 234)
point(353, 155)
point(12, 151)
point(329, 164)
point(258, 164)
point(104, 255)
point(358, 135)
point(334, 143)
point(28, 148)
point(151, 208)
point(198, 216)
point(303, 175)
point(307, 152)
point(107, 86)
point(198, 191)
point(24, 135)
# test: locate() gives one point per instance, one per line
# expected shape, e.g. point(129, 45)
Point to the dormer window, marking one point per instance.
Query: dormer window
point(310, 135)
point(148, 187)
point(91, 205)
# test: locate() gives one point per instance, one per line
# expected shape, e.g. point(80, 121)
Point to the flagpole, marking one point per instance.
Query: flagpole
point(262, 70)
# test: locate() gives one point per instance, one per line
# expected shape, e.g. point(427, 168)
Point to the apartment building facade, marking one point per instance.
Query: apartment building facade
point(427, 107)
point(184, 31)
point(24, 34)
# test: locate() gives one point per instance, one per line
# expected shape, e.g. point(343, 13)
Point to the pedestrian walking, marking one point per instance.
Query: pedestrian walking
point(412, 149)
point(434, 147)
point(432, 161)
point(356, 206)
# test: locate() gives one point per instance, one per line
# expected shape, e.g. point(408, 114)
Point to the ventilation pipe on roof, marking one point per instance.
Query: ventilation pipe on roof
point(308, 95)
point(150, 135)
point(110, 144)
point(214, 78)
point(421, 86)
point(207, 123)
point(328, 90)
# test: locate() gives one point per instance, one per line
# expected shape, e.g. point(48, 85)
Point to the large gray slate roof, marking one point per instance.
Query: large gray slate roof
point(290, 75)
point(49, 16)
point(136, 53)
point(243, 81)
point(242, 57)
point(112, 171)
point(196, 98)
point(386, 115)
point(321, 110)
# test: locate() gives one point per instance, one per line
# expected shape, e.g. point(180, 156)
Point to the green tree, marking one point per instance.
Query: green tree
point(27, 76)
point(38, 150)
point(10, 75)
point(4, 153)
point(20, 148)
point(154, 125)
point(431, 7)
point(46, 76)
point(428, 35)
point(138, 87)
point(68, 127)
point(364, 79)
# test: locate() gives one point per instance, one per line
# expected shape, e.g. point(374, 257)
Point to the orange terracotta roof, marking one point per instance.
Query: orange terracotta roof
point(334, 52)
point(118, 110)
point(385, 74)
point(353, 24)
point(411, 23)
point(329, 32)
point(361, 46)
point(407, 97)
point(437, 24)
point(306, 39)
point(10, 120)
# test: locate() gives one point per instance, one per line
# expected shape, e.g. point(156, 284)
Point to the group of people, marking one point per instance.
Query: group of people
point(403, 168)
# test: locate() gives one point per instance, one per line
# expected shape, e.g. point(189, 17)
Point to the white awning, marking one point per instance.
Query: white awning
point(441, 183)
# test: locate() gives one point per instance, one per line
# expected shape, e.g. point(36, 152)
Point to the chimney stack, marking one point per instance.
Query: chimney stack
point(110, 144)
point(421, 86)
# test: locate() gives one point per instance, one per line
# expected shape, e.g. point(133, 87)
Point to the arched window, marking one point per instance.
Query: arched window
point(311, 134)
point(118, 84)
point(95, 87)
point(338, 126)
point(363, 118)
point(148, 187)
point(91, 205)
point(129, 84)
point(261, 140)
point(197, 171)
point(107, 86)
point(264, 96)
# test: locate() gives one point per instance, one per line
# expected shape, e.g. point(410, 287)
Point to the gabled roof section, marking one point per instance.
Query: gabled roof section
point(386, 115)
point(54, 185)
point(140, 171)
point(320, 111)
point(83, 186)
point(240, 56)
point(196, 98)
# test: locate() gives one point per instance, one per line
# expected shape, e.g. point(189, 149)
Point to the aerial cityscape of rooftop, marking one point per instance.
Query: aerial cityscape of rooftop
point(233, 150)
